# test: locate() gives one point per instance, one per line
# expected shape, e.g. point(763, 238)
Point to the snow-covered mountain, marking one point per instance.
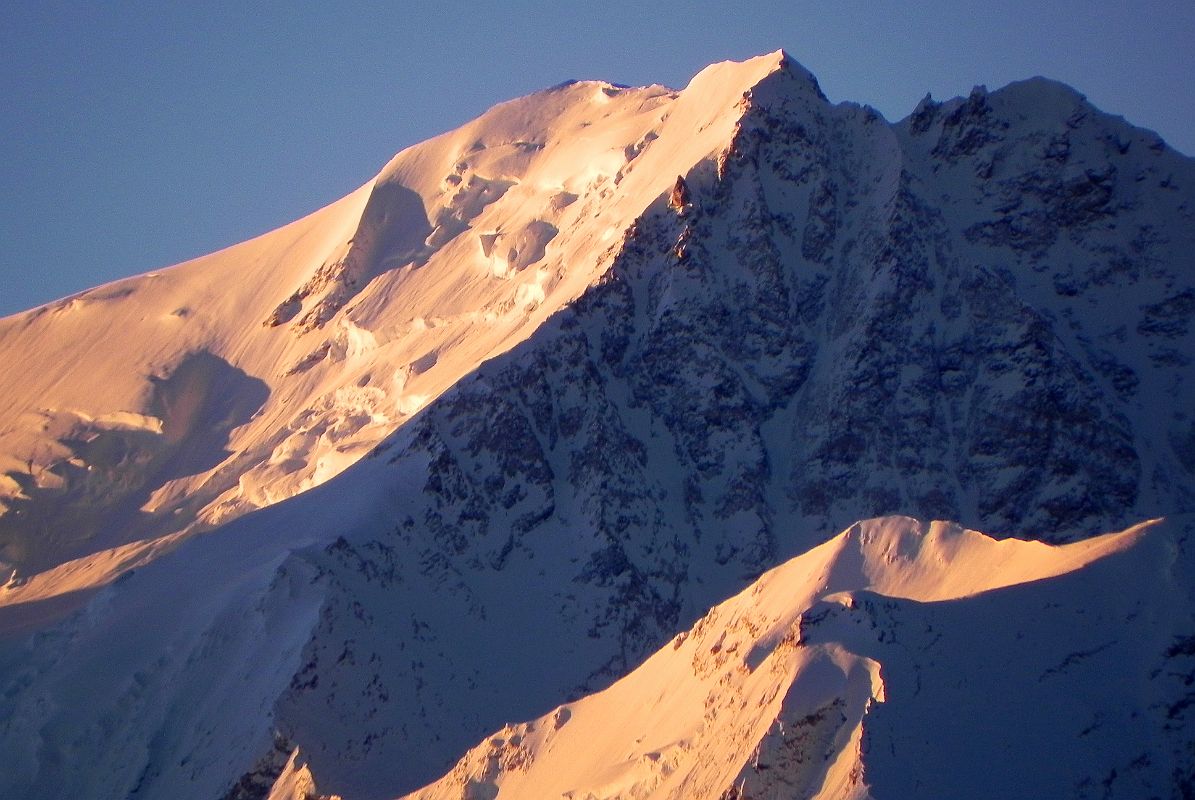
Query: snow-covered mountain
point(613, 353)
point(895, 660)
point(244, 377)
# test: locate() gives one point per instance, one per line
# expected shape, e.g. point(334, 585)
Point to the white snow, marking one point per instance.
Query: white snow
point(773, 689)
point(539, 186)
point(897, 659)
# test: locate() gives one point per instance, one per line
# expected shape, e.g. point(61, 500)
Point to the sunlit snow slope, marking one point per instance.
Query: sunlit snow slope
point(185, 397)
point(896, 660)
point(601, 359)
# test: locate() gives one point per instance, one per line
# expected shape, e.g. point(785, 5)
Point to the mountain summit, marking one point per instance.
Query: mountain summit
point(455, 454)
point(242, 378)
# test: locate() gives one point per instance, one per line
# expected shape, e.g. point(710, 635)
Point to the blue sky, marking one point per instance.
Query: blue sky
point(135, 135)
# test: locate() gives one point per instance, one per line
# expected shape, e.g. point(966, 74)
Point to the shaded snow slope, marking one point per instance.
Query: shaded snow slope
point(896, 660)
point(979, 313)
point(318, 339)
point(1008, 275)
point(164, 684)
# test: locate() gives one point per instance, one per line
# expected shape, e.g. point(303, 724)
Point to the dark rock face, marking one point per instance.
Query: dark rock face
point(867, 358)
point(980, 314)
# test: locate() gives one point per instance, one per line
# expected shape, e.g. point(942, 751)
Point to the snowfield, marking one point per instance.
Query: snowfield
point(898, 659)
point(441, 491)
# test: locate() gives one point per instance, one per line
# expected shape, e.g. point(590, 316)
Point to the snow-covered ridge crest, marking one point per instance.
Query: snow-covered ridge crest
point(334, 330)
point(825, 318)
point(801, 683)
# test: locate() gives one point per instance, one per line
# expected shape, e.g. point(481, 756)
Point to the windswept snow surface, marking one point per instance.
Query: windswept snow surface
point(898, 659)
point(182, 398)
point(614, 354)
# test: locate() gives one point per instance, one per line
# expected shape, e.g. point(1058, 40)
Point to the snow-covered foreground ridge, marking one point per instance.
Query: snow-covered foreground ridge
point(597, 401)
point(897, 659)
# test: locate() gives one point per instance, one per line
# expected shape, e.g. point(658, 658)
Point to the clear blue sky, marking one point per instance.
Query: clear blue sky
point(135, 135)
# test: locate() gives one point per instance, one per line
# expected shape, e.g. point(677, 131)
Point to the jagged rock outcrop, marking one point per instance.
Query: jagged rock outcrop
point(814, 339)
point(978, 313)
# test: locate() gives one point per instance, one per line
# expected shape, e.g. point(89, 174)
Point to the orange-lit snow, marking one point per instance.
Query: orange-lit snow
point(465, 244)
point(697, 718)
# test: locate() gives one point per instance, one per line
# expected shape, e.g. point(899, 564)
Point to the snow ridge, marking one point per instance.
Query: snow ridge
point(897, 659)
point(600, 398)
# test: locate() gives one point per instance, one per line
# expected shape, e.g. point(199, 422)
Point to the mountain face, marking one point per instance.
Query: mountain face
point(553, 385)
point(242, 378)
